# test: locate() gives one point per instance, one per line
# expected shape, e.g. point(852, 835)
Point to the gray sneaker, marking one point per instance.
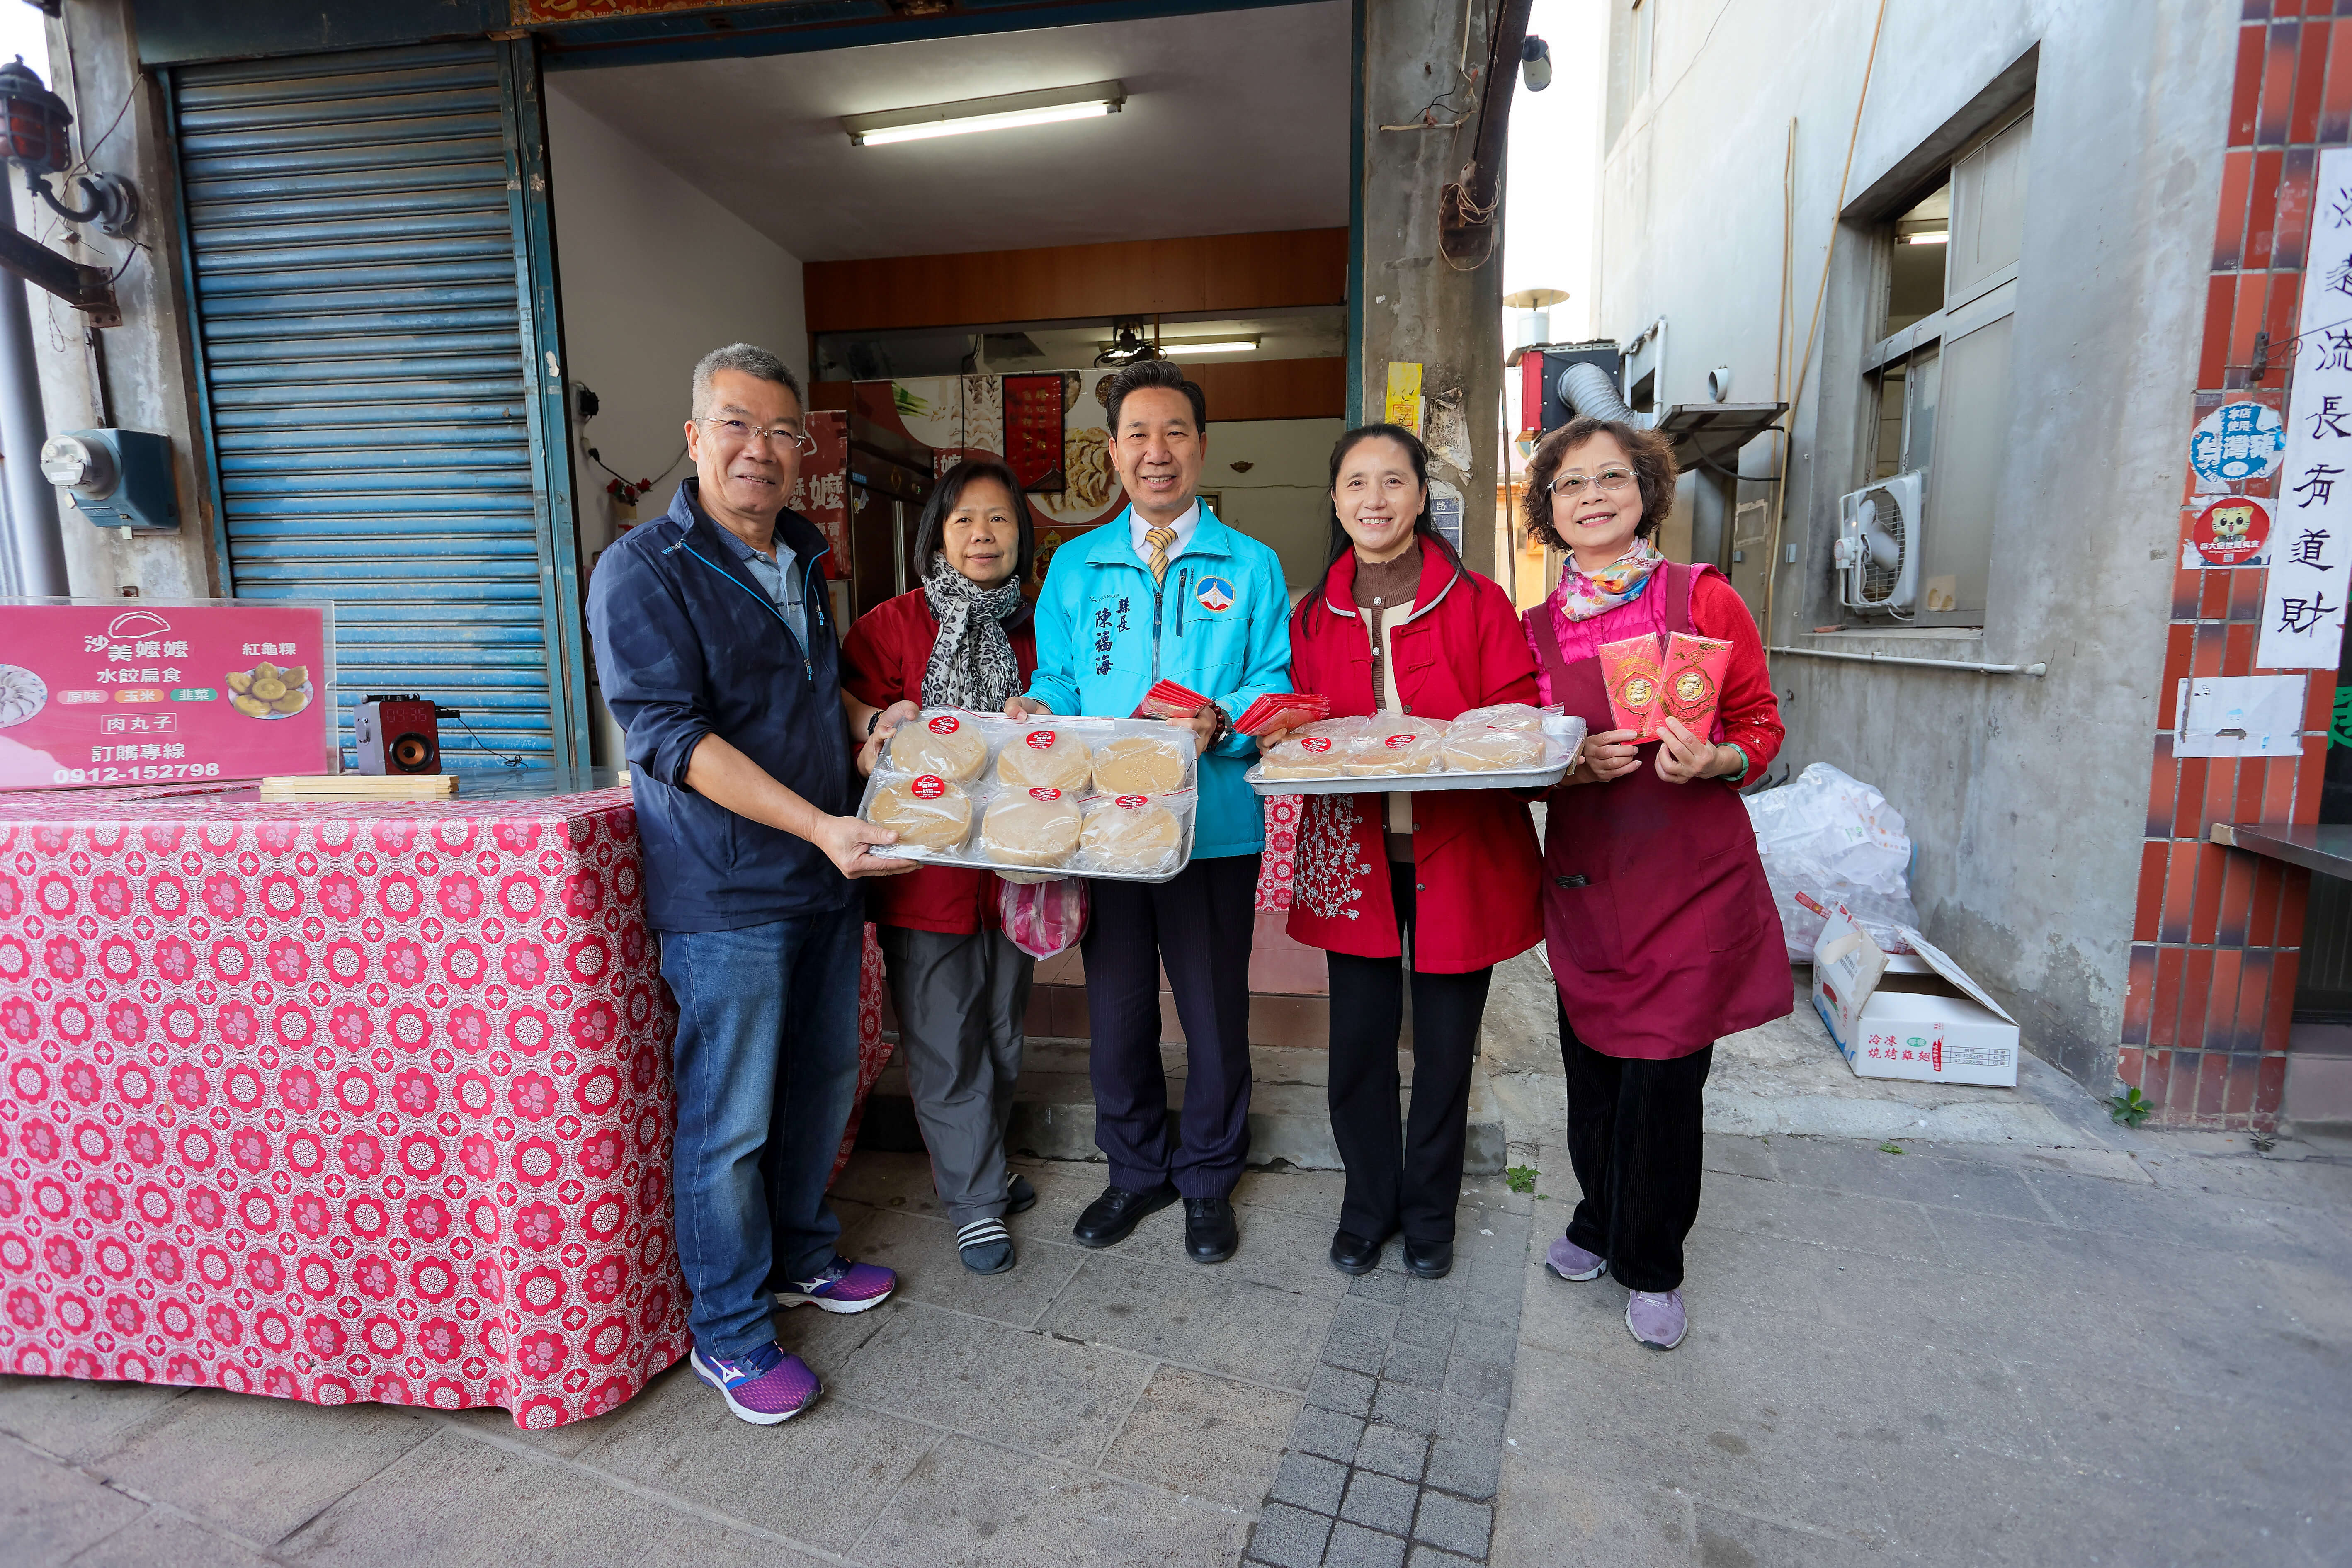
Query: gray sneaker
point(1571, 1262)
point(1656, 1318)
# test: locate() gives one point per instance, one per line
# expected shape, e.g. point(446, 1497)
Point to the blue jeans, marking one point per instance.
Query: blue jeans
point(766, 1068)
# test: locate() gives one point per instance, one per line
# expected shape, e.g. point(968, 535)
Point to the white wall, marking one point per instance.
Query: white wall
point(1285, 499)
point(655, 274)
point(2027, 798)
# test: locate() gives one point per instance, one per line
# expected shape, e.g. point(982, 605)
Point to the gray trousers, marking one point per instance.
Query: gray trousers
point(960, 1002)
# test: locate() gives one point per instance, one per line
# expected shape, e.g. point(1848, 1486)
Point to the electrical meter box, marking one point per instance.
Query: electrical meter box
point(116, 478)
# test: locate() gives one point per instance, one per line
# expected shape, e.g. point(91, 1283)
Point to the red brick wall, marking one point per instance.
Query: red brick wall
point(2216, 933)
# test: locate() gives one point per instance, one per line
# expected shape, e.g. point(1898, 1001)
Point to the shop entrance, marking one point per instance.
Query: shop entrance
point(956, 296)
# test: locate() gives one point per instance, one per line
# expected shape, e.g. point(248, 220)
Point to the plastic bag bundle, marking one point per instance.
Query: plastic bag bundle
point(925, 809)
point(1317, 751)
point(1053, 756)
point(951, 745)
point(1134, 835)
point(988, 793)
point(1827, 838)
point(1036, 826)
point(1397, 743)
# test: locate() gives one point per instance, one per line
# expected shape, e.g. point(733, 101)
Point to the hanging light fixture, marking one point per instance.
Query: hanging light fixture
point(1130, 346)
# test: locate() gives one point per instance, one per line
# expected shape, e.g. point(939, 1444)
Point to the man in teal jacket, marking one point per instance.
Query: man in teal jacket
point(1167, 591)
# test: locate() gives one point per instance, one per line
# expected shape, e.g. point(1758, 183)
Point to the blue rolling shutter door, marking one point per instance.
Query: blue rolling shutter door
point(353, 232)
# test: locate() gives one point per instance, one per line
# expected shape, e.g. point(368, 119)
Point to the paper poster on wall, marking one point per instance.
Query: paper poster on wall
point(2311, 553)
point(1404, 396)
point(101, 694)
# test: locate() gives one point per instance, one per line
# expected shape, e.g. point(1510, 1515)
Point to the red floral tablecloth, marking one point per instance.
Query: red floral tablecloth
point(338, 1101)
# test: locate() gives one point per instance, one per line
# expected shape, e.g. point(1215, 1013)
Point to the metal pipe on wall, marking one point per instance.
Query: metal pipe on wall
point(36, 551)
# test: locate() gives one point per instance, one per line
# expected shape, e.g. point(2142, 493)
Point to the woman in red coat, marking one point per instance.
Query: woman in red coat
point(1662, 933)
point(1399, 625)
point(959, 984)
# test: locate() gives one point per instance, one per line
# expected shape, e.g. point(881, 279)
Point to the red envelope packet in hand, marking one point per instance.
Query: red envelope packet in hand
point(1694, 681)
point(1283, 711)
point(1169, 701)
point(1634, 675)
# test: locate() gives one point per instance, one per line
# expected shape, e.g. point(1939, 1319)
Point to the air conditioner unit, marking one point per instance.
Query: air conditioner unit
point(1877, 553)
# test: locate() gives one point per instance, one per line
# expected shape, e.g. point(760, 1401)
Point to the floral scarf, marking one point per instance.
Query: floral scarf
point(1579, 596)
point(972, 664)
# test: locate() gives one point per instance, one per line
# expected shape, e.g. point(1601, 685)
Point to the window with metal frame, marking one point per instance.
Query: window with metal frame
point(1939, 373)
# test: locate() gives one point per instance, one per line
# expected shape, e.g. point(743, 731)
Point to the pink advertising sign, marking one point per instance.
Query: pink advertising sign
point(126, 694)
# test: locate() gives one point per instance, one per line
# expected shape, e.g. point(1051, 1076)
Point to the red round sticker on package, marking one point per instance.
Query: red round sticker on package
point(1132, 802)
point(1395, 741)
point(1318, 744)
point(930, 787)
point(2232, 530)
point(1041, 740)
point(1044, 794)
point(945, 724)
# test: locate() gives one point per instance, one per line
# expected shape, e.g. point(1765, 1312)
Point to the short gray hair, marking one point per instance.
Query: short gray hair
point(751, 360)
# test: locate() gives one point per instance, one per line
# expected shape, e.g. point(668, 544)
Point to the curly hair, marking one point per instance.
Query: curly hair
point(1653, 457)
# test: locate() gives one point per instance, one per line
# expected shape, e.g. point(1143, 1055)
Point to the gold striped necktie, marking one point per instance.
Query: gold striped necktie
point(1160, 539)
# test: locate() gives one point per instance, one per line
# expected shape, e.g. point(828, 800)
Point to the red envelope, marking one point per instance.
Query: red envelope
point(1694, 681)
point(1283, 711)
point(1169, 701)
point(1635, 678)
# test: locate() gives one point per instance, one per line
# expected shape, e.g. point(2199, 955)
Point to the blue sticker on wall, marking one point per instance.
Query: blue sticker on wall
point(1215, 594)
point(2236, 442)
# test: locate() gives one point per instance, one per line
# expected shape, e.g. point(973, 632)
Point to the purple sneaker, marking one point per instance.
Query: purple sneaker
point(1656, 1318)
point(843, 1287)
point(1571, 1262)
point(764, 1387)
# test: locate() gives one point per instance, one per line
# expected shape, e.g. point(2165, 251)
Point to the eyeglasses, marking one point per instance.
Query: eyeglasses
point(1608, 482)
point(742, 433)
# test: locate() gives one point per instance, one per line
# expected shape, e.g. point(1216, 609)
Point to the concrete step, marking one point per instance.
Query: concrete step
point(1054, 1107)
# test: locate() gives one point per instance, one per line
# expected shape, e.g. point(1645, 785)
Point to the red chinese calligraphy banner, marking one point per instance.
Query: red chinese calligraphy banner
point(111, 694)
point(822, 492)
point(1032, 430)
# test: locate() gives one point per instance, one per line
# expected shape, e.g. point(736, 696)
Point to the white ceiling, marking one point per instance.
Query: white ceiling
point(1236, 121)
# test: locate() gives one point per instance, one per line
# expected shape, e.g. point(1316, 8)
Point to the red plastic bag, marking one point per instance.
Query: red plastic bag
point(1044, 918)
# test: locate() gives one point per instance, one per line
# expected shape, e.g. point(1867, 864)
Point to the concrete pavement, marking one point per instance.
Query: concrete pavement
point(2060, 1343)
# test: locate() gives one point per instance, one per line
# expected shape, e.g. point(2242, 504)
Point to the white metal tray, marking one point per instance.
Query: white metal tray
point(1410, 783)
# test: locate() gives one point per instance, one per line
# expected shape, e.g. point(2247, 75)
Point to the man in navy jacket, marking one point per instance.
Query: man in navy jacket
point(717, 656)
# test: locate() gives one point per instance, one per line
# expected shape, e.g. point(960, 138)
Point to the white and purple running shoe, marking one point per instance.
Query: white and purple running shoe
point(843, 1287)
point(766, 1386)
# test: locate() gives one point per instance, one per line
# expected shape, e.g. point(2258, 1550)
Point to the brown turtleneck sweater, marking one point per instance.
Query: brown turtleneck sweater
point(1384, 593)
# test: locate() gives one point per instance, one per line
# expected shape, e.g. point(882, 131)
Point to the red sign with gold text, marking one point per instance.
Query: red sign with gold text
point(117, 694)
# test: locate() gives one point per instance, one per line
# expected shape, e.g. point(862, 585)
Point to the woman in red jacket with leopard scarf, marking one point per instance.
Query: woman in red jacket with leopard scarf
point(1399, 625)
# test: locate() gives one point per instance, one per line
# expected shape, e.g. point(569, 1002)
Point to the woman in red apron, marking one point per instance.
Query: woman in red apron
point(1662, 933)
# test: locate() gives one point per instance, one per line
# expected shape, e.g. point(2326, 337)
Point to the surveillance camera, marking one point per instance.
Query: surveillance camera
point(1535, 64)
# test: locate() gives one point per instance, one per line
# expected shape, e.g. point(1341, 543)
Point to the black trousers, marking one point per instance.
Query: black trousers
point(1405, 1173)
point(1198, 925)
point(1634, 1138)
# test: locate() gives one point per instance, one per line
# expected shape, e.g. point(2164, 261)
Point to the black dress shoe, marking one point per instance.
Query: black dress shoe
point(1351, 1254)
point(1110, 1218)
point(1209, 1233)
point(1428, 1259)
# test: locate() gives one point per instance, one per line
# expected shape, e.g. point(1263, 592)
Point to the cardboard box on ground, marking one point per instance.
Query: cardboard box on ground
point(1911, 1015)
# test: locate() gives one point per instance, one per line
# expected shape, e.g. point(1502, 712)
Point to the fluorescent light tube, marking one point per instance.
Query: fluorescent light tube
point(1002, 112)
point(1221, 346)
